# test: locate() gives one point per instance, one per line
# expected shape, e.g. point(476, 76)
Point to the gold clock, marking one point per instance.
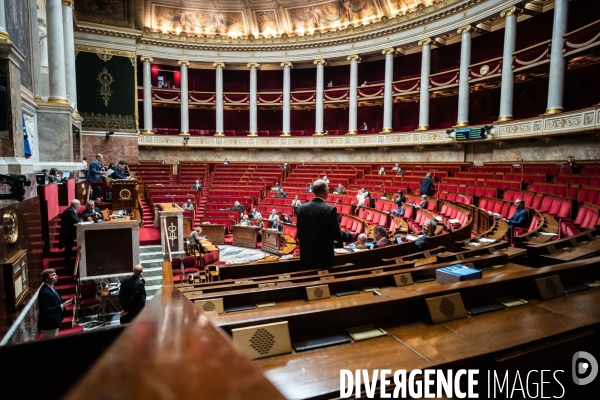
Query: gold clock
point(11, 226)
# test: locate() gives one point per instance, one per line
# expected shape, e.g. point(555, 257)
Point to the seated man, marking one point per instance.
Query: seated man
point(197, 185)
point(281, 194)
point(423, 203)
point(118, 171)
point(194, 237)
point(340, 189)
point(381, 237)
point(256, 214)
point(245, 221)
point(395, 167)
point(277, 224)
point(237, 206)
point(273, 215)
point(91, 212)
point(422, 242)
point(188, 205)
point(361, 241)
point(296, 201)
point(364, 127)
point(276, 187)
point(519, 218)
point(575, 168)
point(309, 188)
point(286, 219)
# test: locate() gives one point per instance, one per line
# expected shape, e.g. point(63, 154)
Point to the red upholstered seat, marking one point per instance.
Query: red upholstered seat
point(176, 266)
point(190, 265)
point(215, 258)
point(88, 298)
point(206, 260)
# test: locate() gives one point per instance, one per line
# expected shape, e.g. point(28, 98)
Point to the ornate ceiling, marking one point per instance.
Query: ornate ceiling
point(242, 18)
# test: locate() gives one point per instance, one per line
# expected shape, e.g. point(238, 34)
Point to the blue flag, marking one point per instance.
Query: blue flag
point(26, 146)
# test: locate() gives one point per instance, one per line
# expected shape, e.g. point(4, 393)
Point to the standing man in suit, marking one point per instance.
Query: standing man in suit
point(197, 185)
point(132, 295)
point(318, 229)
point(95, 175)
point(426, 185)
point(68, 232)
point(50, 305)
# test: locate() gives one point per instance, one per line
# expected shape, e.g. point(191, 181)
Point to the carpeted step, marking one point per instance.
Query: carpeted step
point(65, 289)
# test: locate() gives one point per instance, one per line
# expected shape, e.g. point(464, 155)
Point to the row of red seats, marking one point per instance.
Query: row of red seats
point(352, 224)
point(587, 217)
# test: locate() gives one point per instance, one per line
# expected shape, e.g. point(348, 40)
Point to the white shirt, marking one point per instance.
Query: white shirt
point(361, 199)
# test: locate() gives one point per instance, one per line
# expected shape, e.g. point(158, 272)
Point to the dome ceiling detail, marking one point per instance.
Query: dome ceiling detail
point(270, 18)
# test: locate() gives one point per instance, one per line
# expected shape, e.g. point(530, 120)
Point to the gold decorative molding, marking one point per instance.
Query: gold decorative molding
point(148, 132)
point(219, 134)
point(505, 118)
point(461, 124)
point(108, 122)
point(105, 79)
point(419, 147)
point(467, 28)
point(554, 110)
point(146, 59)
point(286, 134)
point(57, 101)
point(219, 64)
point(4, 37)
point(184, 133)
point(252, 134)
point(514, 10)
point(68, 3)
point(422, 128)
point(388, 51)
point(354, 57)
point(287, 64)
point(320, 61)
point(387, 130)
point(425, 41)
point(106, 54)
point(183, 62)
point(253, 65)
point(353, 132)
point(318, 133)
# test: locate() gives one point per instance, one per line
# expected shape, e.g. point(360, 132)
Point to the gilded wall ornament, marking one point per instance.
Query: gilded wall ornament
point(11, 227)
point(106, 79)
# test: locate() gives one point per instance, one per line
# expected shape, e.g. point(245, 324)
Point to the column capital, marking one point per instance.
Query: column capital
point(183, 62)
point(320, 61)
point(146, 59)
point(354, 57)
point(68, 3)
point(219, 64)
point(287, 64)
point(389, 50)
point(426, 41)
point(514, 10)
point(253, 65)
point(467, 28)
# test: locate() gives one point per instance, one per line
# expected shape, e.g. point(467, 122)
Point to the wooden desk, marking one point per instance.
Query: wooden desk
point(214, 232)
point(124, 193)
point(245, 236)
point(108, 248)
point(272, 241)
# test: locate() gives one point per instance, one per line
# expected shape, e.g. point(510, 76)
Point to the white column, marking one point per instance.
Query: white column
point(508, 77)
point(147, 96)
point(287, 66)
point(56, 53)
point(424, 94)
point(557, 61)
point(353, 95)
point(319, 96)
point(4, 36)
point(463, 83)
point(253, 129)
point(219, 67)
point(185, 109)
point(71, 82)
point(388, 100)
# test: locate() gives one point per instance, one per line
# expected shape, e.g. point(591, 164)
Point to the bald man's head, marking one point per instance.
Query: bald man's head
point(137, 270)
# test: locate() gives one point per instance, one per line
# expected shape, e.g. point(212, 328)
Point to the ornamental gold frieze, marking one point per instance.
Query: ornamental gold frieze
point(421, 16)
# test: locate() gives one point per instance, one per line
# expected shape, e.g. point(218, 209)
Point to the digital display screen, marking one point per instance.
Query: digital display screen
point(470, 134)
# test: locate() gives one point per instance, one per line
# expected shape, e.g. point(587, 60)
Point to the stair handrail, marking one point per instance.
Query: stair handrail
point(167, 265)
point(77, 285)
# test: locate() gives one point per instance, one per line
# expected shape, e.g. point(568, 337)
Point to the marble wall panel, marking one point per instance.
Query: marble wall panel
point(382, 155)
point(55, 138)
point(117, 147)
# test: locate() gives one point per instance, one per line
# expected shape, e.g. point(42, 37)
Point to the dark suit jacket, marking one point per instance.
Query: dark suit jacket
point(94, 171)
point(519, 219)
point(426, 186)
point(118, 173)
point(68, 230)
point(87, 213)
point(198, 186)
point(51, 312)
point(132, 297)
point(318, 228)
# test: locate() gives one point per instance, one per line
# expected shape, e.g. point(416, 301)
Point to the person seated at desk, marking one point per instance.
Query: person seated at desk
point(260, 223)
point(194, 236)
point(273, 215)
point(118, 170)
point(519, 218)
point(309, 188)
point(381, 171)
point(237, 206)
point(399, 171)
point(91, 212)
point(326, 179)
point(575, 168)
point(276, 187)
point(245, 221)
point(188, 205)
point(399, 200)
point(286, 219)
point(423, 203)
point(340, 189)
point(364, 127)
point(52, 176)
point(277, 224)
point(281, 194)
point(225, 162)
point(422, 241)
point(197, 185)
point(366, 193)
point(256, 214)
point(395, 167)
point(360, 199)
point(296, 201)
point(381, 237)
point(361, 242)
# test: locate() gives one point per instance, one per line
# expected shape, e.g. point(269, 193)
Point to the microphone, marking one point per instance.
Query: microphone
point(353, 167)
point(262, 178)
point(464, 197)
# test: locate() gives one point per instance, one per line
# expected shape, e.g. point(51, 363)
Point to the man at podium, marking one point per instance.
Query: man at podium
point(119, 170)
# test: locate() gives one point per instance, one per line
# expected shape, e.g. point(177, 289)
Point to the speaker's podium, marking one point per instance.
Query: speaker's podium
point(272, 241)
point(124, 193)
point(108, 248)
point(170, 222)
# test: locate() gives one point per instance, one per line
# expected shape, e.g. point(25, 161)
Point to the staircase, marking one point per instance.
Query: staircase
point(147, 214)
point(65, 286)
point(151, 258)
point(202, 203)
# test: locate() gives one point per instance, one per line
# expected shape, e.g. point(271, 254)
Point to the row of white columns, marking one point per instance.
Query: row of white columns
point(555, 92)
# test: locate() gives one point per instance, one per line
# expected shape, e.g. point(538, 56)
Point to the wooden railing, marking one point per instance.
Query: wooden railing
point(167, 265)
point(77, 285)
